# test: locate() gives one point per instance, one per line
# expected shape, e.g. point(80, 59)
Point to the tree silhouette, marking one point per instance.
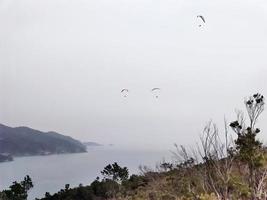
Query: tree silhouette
point(19, 191)
point(115, 172)
point(249, 149)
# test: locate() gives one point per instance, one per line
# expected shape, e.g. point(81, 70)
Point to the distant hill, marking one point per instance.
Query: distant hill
point(5, 158)
point(24, 141)
point(92, 144)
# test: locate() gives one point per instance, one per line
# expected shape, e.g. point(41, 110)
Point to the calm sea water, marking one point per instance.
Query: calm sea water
point(51, 173)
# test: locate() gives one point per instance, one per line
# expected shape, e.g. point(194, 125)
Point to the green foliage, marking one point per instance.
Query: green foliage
point(135, 182)
point(249, 149)
point(106, 188)
point(240, 188)
point(3, 196)
point(19, 191)
point(79, 193)
point(166, 166)
point(115, 172)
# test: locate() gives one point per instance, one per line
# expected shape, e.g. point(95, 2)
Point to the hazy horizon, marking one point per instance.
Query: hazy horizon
point(63, 64)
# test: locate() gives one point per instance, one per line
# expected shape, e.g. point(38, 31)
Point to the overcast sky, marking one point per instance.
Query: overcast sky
point(63, 64)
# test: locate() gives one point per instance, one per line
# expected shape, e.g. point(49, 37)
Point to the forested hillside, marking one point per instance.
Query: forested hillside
point(24, 141)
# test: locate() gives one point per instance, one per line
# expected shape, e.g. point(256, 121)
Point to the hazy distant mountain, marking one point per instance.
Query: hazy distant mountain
point(24, 141)
point(92, 144)
point(5, 157)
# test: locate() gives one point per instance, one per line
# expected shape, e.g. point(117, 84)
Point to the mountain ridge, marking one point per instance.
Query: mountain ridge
point(25, 141)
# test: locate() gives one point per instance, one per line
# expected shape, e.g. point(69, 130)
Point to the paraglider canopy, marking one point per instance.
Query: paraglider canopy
point(155, 92)
point(202, 20)
point(124, 92)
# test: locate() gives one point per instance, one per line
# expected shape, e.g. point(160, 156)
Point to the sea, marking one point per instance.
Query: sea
point(51, 173)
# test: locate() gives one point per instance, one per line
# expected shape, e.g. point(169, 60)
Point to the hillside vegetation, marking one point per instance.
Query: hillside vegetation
point(220, 167)
point(24, 141)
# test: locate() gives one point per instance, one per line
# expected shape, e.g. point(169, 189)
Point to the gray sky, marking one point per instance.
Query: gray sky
point(64, 62)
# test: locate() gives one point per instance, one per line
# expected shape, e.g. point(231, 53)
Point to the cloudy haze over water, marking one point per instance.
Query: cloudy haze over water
point(63, 64)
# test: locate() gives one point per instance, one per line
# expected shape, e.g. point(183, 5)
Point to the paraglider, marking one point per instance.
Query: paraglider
point(124, 92)
point(155, 92)
point(202, 20)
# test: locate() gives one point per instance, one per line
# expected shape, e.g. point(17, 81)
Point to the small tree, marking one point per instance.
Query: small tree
point(115, 172)
point(249, 149)
point(19, 191)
